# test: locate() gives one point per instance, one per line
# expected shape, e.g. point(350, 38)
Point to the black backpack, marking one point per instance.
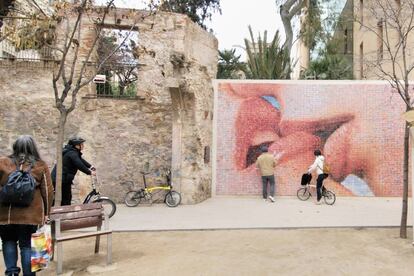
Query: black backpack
point(19, 189)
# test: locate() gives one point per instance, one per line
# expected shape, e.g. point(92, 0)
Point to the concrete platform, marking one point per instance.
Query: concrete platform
point(253, 213)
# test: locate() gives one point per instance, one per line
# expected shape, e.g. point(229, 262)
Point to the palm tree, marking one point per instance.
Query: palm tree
point(230, 66)
point(266, 60)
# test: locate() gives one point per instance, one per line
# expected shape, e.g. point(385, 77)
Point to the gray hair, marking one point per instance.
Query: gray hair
point(25, 149)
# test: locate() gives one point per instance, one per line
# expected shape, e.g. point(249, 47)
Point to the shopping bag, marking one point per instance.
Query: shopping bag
point(42, 250)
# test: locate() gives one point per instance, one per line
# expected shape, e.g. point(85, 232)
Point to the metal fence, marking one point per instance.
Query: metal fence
point(121, 81)
point(27, 59)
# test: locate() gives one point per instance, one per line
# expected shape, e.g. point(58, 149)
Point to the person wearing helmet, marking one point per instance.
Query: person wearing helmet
point(72, 161)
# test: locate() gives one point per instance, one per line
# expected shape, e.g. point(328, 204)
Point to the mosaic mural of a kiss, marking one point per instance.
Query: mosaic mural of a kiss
point(357, 125)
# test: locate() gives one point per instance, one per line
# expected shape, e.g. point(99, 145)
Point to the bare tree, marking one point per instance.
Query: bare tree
point(76, 62)
point(288, 9)
point(392, 24)
point(124, 63)
point(73, 72)
point(69, 77)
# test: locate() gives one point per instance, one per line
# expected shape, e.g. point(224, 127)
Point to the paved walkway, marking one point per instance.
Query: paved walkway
point(254, 213)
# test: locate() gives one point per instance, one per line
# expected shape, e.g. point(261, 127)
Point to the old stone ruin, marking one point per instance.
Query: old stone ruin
point(159, 116)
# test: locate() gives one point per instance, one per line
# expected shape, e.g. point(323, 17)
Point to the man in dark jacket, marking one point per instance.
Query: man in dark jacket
point(72, 162)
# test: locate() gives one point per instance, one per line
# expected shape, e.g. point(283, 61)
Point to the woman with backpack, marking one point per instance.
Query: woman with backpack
point(19, 221)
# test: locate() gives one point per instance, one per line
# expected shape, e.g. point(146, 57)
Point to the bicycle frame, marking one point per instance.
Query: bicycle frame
point(93, 193)
point(90, 195)
point(151, 189)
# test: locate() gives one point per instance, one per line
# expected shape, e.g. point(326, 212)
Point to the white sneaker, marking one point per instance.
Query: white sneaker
point(272, 199)
point(265, 199)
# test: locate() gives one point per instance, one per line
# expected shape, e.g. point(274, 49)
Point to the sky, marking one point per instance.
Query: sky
point(231, 26)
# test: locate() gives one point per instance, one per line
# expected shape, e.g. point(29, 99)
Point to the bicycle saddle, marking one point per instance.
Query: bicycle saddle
point(145, 173)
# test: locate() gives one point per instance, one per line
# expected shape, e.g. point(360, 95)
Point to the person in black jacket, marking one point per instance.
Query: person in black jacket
point(72, 162)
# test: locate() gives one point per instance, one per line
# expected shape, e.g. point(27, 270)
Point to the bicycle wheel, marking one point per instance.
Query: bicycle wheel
point(303, 194)
point(172, 198)
point(329, 197)
point(108, 205)
point(132, 199)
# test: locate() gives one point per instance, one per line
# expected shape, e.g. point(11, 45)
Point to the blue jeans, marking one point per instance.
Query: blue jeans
point(271, 180)
point(14, 234)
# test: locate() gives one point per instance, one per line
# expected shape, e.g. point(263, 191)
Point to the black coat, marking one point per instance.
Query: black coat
point(72, 162)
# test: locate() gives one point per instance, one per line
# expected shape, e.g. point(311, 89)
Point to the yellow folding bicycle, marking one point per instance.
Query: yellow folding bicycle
point(172, 198)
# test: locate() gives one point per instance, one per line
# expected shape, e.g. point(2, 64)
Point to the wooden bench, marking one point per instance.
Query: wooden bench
point(75, 217)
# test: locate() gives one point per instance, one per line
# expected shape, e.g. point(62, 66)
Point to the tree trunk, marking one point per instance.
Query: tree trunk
point(403, 225)
point(284, 15)
point(59, 144)
point(121, 89)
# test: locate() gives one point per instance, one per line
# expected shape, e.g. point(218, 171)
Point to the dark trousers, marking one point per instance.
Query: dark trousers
point(11, 236)
point(271, 180)
point(319, 186)
point(66, 193)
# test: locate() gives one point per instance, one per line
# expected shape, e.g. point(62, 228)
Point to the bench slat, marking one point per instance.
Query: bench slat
point(80, 223)
point(74, 215)
point(75, 208)
point(83, 235)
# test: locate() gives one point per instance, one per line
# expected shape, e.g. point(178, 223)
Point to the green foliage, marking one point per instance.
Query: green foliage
point(326, 62)
point(330, 65)
point(197, 10)
point(312, 30)
point(266, 60)
point(334, 67)
point(229, 66)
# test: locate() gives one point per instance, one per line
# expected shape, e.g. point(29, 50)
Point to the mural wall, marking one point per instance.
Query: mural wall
point(357, 125)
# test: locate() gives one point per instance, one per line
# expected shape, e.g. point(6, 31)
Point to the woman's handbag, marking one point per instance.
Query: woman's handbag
point(42, 250)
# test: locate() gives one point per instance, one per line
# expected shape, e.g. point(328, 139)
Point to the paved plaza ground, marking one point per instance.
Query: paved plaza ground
point(248, 252)
point(246, 236)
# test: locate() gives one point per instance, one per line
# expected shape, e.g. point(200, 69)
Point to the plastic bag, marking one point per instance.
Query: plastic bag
point(42, 250)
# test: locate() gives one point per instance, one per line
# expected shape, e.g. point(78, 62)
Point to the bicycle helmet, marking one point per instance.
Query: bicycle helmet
point(76, 141)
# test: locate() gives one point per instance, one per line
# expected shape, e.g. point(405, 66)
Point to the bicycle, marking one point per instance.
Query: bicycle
point(304, 193)
point(172, 198)
point(94, 196)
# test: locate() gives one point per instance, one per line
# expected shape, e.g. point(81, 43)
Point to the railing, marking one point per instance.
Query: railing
point(121, 81)
point(29, 59)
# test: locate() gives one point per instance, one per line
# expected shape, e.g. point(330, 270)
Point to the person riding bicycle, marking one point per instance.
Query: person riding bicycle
point(318, 166)
point(72, 161)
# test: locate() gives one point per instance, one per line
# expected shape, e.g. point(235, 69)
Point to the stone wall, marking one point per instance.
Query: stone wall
point(125, 135)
